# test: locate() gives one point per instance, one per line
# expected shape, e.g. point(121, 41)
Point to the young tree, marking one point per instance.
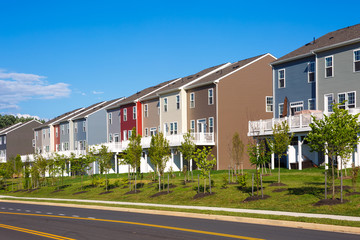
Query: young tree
point(159, 153)
point(205, 160)
point(41, 166)
point(60, 163)
point(280, 141)
point(187, 149)
point(80, 165)
point(104, 158)
point(335, 135)
point(237, 151)
point(258, 156)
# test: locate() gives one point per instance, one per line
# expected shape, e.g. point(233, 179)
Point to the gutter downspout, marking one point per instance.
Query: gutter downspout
point(217, 125)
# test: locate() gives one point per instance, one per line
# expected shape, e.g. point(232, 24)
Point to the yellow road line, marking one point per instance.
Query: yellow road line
point(140, 224)
point(43, 234)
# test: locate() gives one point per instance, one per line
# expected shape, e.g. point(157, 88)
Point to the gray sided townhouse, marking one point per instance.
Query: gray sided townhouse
point(17, 139)
point(307, 81)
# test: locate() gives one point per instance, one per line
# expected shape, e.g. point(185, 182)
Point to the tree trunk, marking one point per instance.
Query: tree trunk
point(279, 168)
point(333, 178)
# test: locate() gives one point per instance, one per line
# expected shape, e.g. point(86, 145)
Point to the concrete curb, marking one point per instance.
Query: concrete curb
point(270, 222)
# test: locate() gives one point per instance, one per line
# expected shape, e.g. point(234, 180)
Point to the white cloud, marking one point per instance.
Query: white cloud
point(26, 116)
point(19, 87)
point(96, 92)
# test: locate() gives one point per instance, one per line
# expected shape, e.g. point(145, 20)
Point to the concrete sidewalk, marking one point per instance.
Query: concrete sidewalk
point(219, 209)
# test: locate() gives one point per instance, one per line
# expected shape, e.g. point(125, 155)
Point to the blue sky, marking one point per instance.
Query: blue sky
point(56, 56)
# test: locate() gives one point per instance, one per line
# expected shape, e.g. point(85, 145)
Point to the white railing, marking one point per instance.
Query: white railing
point(2, 159)
point(50, 155)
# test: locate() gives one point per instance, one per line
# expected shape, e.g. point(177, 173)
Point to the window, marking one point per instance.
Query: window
point(357, 60)
point(347, 100)
point(211, 96)
point(146, 109)
point(76, 127)
point(165, 105)
point(76, 145)
point(269, 104)
point(125, 135)
point(47, 149)
point(158, 107)
point(44, 132)
point(4, 139)
point(134, 112)
point(0, 140)
point(110, 137)
point(125, 114)
point(192, 100)
point(166, 128)
point(281, 78)
point(329, 69)
point(211, 124)
point(146, 132)
point(56, 132)
point(49, 132)
point(296, 107)
point(153, 131)
point(177, 101)
point(68, 129)
point(311, 72)
point(116, 137)
point(110, 118)
point(328, 102)
point(129, 134)
point(171, 128)
point(311, 104)
point(175, 128)
point(36, 135)
point(84, 126)
point(62, 129)
point(192, 126)
point(281, 109)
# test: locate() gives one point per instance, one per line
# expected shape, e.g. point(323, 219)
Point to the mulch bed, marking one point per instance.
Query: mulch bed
point(280, 190)
point(31, 190)
point(132, 192)
point(59, 190)
point(254, 198)
point(186, 186)
point(324, 202)
point(20, 190)
point(352, 193)
point(80, 192)
point(201, 195)
point(277, 185)
point(105, 192)
point(233, 183)
point(160, 194)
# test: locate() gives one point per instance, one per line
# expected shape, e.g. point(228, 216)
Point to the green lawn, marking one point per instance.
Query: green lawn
point(304, 188)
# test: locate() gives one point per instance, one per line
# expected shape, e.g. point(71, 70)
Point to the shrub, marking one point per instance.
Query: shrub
point(242, 180)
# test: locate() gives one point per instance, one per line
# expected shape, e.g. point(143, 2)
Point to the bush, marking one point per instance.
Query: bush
point(201, 188)
point(242, 180)
point(224, 181)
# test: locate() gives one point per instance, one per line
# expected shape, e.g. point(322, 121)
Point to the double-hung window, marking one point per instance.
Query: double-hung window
point(192, 100)
point(110, 118)
point(44, 132)
point(211, 124)
point(347, 100)
point(165, 104)
point(177, 101)
point(146, 110)
point(76, 127)
point(311, 72)
point(134, 112)
point(281, 109)
point(311, 104)
point(281, 78)
point(211, 96)
point(171, 128)
point(329, 67)
point(175, 127)
point(192, 126)
point(84, 126)
point(125, 114)
point(269, 104)
point(62, 129)
point(146, 132)
point(357, 60)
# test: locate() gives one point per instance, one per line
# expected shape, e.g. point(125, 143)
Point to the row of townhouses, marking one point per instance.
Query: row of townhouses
point(307, 82)
point(248, 97)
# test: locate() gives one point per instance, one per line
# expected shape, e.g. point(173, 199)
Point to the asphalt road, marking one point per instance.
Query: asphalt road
point(29, 221)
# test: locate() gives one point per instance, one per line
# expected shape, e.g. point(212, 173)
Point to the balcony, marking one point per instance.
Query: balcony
point(49, 155)
point(200, 139)
point(297, 123)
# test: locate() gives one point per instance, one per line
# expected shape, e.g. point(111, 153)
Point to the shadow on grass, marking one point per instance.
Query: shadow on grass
point(269, 181)
point(315, 191)
point(315, 183)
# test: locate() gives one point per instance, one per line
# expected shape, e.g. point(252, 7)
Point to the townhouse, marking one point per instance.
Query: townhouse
point(17, 139)
point(306, 82)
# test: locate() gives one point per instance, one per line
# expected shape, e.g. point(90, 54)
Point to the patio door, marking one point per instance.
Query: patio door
point(328, 102)
point(201, 127)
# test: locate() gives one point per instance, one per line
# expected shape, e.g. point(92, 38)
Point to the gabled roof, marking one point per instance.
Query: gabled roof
point(191, 78)
point(94, 108)
point(224, 72)
point(59, 118)
point(4, 130)
point(346, 35)
point(17, 126)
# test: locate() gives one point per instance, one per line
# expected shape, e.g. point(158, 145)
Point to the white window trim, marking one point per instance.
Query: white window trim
point(176, 129)
point(280, 104)
point(134, 112)
point(266, 103)
point(212, 96)
point(213, 129)
point(310, 99)
point(177, 97)
point(192, 94)
point(309, 64)
point(146, 132)
point(84, 126)
point(76, 127)
point(165, 105)
point(346, 98)
point(279, 78)
point(332, 66)
point(355, 61)
point(110, 118)
point(125, 114)
point(192, 121)
point(325, 95)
